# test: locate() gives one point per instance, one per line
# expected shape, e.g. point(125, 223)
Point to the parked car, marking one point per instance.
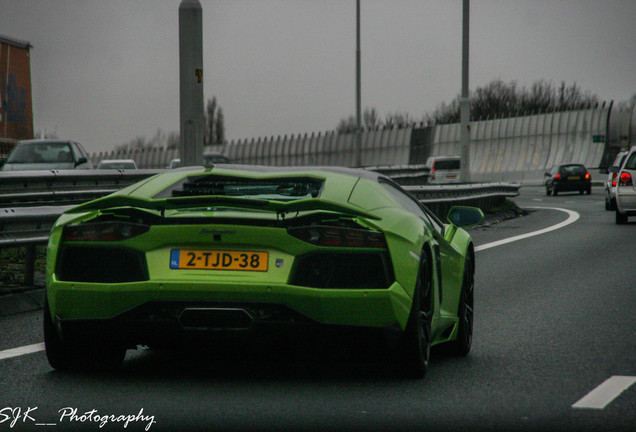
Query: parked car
point(209, 159)
point(121, 164)
point(626, 188)
point(225, 252)
point(610, 183)
point(47, 154)
point(443, 169)
point(568, 178)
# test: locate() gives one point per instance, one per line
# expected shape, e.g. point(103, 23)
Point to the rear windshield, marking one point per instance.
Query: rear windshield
point(446, 164)
point(631, 163)
point(573, 170)
point(279, 189)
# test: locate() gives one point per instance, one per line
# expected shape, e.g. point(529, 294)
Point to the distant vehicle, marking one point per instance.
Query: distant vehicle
point(209, 159)
point(47, 154)
point(568, 178)
point(610, 183)
point(626, 188)
point(122, 164)
point(444, 169)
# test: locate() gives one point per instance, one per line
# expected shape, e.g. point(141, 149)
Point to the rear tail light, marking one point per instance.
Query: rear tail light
point(557, 177)
point(614, 175)
point(587, 176)
point(103, 231)
point(626, 179)
point(339, 237)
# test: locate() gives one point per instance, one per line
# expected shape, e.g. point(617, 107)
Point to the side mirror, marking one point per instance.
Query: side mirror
point(465, 216)
point(547, 174)
point(80, 161)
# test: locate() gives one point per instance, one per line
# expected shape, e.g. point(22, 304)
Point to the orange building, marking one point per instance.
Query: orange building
point(16, 109)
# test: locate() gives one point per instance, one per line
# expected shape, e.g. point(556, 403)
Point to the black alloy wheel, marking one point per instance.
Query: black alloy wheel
point(620, 218)
point(415, 347)
point(74, 355)
point(461, 346)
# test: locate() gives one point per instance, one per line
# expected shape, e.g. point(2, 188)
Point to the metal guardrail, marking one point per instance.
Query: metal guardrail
point(31, 201)
point(404, 174)
point(37, 188)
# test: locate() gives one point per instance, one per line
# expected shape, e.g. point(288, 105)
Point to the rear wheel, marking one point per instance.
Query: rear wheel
point(548, 192)
point(76, 355)
point(461, 346)
point(620, 218)
point(415, 346)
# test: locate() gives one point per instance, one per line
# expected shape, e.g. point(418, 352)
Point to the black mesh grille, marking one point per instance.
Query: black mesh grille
point(101, 265)
point(343, 270)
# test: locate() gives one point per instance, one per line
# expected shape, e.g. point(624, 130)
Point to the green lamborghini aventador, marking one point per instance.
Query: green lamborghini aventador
point(194, 253)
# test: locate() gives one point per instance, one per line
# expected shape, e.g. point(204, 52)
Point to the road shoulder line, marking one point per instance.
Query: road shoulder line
point(572, 217)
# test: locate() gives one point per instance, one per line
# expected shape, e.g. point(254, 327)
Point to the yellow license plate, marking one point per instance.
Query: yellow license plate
point(218, 260)
point(575, 178)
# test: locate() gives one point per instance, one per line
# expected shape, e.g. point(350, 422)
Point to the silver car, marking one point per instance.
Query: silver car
point(626, 188)
point(610, 183)
point(47, 154)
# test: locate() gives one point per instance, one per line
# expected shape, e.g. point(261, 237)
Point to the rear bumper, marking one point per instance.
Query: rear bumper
point(572, 186)
point(159, 306)
point(626, 200)
point(161, 323)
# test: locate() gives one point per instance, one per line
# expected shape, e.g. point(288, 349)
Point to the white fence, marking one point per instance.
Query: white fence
point(506, 149)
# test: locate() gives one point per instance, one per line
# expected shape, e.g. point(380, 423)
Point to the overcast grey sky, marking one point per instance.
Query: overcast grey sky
point(105, 72)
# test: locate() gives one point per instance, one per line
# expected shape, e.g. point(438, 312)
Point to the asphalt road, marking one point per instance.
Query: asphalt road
point(554, 320)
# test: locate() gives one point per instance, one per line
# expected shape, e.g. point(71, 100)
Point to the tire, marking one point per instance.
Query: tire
point(589, 191)
point(620, 218)
point(555, 191)
point(547, 191)
point(608, 206)
point(461, 346)
point(415, 344)
point(73, 356)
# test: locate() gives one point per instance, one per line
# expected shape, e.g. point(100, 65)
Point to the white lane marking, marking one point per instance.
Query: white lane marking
point(605, 393)
point(16, 352)
point(572, 217)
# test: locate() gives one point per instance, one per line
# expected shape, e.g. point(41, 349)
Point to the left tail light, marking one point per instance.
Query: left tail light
point(103, 231)
point(339, 237)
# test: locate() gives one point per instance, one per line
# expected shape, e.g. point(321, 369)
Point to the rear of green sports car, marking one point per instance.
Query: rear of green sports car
point(196, 253)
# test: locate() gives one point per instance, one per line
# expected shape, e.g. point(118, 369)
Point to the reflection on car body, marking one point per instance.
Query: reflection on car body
point(202, 252)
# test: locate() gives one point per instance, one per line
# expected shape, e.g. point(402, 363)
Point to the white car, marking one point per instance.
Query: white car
point(117, 164)
point(626, 188)
point(47, 154)
point(610, 183)
point(443, 169)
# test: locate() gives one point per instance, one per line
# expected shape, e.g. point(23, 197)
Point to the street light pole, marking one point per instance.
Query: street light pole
point(191, 82)
point(358, 90)
point(464, 101)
